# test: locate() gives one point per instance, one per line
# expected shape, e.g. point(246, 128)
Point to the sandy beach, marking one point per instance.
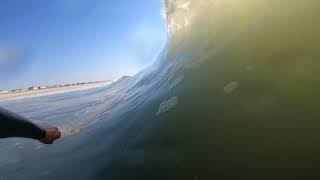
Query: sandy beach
point(52, 90)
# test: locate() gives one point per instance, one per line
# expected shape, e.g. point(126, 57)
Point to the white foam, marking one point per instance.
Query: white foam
point(167, 105)
point(177, 82)
point(231, 87)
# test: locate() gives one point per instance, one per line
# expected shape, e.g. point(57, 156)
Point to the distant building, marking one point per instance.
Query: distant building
point(33, 88)
point(42, 87)
point(17, 90)
point(4, 91)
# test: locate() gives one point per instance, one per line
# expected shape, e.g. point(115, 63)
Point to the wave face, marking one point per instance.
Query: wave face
point(233, 95)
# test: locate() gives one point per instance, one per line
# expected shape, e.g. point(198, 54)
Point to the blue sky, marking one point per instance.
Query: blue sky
point(61, 41)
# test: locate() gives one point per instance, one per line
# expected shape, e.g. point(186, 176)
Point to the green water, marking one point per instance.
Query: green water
point(265, 128)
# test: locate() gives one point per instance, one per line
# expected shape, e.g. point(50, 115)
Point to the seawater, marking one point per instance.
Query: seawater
point(232, 96)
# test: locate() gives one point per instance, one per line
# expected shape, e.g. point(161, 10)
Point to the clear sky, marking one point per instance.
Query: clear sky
point(45, 42)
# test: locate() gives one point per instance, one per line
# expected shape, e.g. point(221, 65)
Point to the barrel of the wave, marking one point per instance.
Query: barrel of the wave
point(249, 104)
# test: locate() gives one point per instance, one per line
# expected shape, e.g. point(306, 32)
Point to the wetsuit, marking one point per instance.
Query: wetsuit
point(13, 125)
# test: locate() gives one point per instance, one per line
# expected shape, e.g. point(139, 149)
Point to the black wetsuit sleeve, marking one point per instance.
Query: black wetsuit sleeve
point(13, 125)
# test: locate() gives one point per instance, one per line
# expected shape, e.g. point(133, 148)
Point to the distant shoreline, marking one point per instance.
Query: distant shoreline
point(53, 89)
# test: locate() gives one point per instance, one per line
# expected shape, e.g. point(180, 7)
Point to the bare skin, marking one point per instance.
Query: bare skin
point(52, 134)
